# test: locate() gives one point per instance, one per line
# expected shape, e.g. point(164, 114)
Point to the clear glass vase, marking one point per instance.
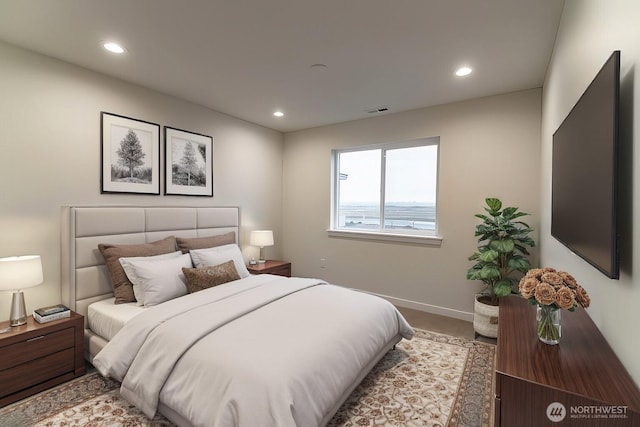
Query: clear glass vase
point(549, 327)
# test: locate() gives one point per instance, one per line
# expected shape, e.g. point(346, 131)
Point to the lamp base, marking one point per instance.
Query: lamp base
point(261, 260)
point(18, 312)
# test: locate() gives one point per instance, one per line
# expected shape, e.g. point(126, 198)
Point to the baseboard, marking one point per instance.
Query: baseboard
point(428, 308)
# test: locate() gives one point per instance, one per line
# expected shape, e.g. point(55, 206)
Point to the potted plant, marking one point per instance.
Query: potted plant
point(500, 261)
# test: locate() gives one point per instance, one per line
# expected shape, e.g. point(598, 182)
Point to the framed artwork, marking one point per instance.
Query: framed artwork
point(130, 155)
point(188, 160)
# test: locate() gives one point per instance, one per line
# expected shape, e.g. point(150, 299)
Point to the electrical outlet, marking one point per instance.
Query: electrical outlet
point(323, 263)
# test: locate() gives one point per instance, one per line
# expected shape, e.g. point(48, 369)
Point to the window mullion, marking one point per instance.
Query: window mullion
point(383, 162)
point(335, 198)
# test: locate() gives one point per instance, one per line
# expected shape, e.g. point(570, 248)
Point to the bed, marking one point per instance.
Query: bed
point(252, 350)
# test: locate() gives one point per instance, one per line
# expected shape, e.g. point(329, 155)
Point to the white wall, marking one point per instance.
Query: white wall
point(50, 157)
point(589, 31)
point(489, 147)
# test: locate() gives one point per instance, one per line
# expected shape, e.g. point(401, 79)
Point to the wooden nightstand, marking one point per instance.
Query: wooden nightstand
point(280, 268)
point(37, 356)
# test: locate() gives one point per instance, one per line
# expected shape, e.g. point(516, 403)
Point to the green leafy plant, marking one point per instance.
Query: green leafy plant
point(501, 258)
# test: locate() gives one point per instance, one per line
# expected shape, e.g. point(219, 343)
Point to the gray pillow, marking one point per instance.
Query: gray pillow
point(185, 244)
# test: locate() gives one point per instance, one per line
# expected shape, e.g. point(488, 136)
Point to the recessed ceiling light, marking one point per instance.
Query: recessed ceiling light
point(278, 114)
point(113, 47)
point(463, 71)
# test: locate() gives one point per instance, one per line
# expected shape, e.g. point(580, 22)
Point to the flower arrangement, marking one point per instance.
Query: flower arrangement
point(557, 289)
point(552, 291)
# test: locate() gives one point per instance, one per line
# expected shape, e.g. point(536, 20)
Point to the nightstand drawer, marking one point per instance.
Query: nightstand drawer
point(280, 268)
point(282, 271)
point(37, 371)
point(36, 347)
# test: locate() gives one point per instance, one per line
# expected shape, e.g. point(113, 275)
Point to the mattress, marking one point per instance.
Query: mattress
point(106, 318)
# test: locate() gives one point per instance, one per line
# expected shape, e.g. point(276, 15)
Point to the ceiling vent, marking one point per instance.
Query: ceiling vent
point(378, 110)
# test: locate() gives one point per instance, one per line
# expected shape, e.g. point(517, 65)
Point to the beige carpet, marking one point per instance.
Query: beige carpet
point(433, 380)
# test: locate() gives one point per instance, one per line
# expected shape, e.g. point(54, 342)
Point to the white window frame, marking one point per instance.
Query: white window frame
point(422, 237)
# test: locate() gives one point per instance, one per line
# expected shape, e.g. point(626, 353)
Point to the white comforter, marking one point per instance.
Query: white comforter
point(261, 351)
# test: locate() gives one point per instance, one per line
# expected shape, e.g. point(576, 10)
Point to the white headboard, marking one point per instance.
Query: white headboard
point(84, 277)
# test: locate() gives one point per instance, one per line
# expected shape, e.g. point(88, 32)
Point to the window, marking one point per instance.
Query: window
point(386, 189)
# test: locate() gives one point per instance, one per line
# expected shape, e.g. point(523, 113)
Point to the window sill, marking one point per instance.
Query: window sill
point(388, 237)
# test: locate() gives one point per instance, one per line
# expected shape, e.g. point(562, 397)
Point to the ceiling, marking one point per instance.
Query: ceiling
point(248, 58)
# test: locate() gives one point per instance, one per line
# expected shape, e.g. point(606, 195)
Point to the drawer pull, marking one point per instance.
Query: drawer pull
point(35, 338)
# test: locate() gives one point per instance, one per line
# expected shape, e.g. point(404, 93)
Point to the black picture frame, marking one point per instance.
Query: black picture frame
point(188, 158)
point(130, 155)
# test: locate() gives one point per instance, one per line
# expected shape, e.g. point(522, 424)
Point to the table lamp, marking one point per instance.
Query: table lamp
point(261, 238)
point(17, 273)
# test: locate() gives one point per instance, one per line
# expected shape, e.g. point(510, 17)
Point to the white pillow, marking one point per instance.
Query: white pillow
point(159, 280)
point(218, 255)
point(136, 288)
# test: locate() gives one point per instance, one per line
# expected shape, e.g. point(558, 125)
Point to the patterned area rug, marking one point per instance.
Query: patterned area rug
point(433, 380)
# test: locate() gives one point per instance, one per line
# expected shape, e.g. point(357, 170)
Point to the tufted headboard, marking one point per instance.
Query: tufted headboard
point(84, 277)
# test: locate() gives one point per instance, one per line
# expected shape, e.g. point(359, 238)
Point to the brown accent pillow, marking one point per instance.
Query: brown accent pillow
point(207, 277)
point(185, 244)
point(122, 287)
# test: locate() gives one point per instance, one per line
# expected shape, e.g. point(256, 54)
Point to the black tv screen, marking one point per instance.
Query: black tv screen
point(585, 173)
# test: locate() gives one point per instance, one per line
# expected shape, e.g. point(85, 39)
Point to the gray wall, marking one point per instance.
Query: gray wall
point(489, 147)
point(50, 157)
point(589, 31)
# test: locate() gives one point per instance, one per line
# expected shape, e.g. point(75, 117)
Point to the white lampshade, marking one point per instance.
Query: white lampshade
point(16, 273)
point(261, 238)
point(20, 272)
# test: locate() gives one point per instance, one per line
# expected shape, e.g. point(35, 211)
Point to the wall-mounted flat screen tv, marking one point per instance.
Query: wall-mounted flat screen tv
point(585, 173)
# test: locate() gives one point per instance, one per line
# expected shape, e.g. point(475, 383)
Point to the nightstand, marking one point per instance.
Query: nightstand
point(280, 268)
point(37, 356)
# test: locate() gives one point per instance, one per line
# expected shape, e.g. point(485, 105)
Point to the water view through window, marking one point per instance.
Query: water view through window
point(399, 215)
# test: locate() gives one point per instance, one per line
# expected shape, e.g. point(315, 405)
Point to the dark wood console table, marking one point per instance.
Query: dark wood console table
point(582, 373)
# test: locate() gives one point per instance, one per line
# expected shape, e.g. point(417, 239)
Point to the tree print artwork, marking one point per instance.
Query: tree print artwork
point(130, 163)
point(188, 163)
point(130, 155)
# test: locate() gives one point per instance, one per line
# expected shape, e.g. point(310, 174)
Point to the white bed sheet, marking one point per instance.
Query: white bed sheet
point(106, 318)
